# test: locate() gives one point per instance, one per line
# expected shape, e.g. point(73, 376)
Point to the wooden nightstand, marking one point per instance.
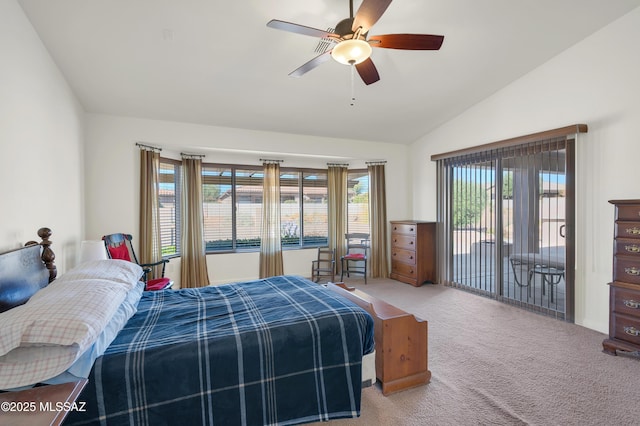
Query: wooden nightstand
point(42, 405)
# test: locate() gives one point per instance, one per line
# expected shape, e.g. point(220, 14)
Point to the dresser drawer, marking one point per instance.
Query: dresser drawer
point(404, 256)
point(627, 230)
point(630, 212)
point(626, 269)
point(627, 247)
point(403, 269)
point(625, 301)
point(626, 328)
point(404, 228)
point(407, 242)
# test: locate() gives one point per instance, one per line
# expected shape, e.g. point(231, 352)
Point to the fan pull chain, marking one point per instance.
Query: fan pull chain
point(353, 88)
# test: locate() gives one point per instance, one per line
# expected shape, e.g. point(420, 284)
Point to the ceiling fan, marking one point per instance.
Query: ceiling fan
point(351, 43)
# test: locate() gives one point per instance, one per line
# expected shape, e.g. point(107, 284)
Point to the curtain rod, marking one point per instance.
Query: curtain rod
point(268, 161)
point(338, 164)
point(562, 132)
point(148, 147)
point(376, 163)
point(187, 156)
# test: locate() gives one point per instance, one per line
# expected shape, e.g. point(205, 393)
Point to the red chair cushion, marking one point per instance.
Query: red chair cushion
point(354, 256)
point(120, 252)
point(157, 284)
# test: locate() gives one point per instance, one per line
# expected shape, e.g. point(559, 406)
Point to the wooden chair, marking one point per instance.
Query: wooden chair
point(324, 265)
point(119, 247)
point(355, 260)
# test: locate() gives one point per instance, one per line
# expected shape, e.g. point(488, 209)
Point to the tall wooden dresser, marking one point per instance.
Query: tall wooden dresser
point(413, 252)
point(624, 291)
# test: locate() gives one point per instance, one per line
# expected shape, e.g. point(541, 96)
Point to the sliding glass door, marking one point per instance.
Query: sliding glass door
point(507, 213)
point(473, 233)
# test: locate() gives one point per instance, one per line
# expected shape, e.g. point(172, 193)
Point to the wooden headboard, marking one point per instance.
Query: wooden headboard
point(26, 270)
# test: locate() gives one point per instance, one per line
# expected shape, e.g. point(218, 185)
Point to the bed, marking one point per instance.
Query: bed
point(281, 350)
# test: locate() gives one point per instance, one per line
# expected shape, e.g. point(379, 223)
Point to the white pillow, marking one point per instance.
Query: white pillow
point(81, 367)
point(121, 271)
point(61, 321)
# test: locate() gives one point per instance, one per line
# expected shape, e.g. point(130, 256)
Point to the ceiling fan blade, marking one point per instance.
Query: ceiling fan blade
point(318, 60)
point(407, 41)
point(368, 72)
point(368, 14)
point(300, 29)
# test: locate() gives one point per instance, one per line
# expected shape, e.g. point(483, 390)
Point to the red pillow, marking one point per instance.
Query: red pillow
point(120, 252)
point(158, 284)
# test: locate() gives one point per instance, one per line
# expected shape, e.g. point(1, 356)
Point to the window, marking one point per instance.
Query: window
point(232, 206)
point(304, 216)
point(248, 202)
point(169, 199)
point(290, 208)
point(315, 222)
point(217, 208)
point(358, 201)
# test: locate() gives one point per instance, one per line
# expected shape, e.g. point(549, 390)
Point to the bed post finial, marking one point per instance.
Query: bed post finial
point(48, 256)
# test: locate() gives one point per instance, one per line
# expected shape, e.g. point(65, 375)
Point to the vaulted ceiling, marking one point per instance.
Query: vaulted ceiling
point(216, 62)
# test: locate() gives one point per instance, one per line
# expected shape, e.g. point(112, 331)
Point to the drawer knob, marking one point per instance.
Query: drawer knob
point(632, 331)
point(631, 304)
point(410, 229)
point(632, 248)
point(632, 271)
point(633, 231)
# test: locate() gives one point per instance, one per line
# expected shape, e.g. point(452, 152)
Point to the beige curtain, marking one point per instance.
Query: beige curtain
point(149, 239)
point(379, 264)
point(270, 242)
point(193, 262)
point(337, 203)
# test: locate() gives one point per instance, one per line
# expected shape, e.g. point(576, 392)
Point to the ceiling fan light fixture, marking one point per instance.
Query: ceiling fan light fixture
point(351, 52)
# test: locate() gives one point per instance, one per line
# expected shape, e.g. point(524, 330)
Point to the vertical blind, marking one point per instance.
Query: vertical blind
point(505, 212)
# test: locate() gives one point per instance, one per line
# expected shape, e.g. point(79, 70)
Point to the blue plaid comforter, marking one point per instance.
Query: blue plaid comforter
point(282, 350)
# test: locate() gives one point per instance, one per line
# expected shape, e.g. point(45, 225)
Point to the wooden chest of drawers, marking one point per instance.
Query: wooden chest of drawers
point(413, 252)
point(624, 291)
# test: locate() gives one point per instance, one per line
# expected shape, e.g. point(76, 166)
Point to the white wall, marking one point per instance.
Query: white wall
point(41, 140)
point(112, 175)
point(595, 82)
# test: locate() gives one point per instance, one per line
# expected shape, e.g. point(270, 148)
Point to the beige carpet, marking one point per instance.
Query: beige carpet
point(495, 364)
